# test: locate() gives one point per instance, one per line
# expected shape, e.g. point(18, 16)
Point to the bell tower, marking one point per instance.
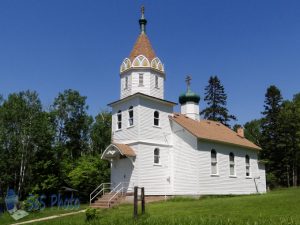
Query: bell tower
point(142, 71)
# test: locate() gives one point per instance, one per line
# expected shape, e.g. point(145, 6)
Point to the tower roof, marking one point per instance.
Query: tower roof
point(142, 55)
point(142, 46)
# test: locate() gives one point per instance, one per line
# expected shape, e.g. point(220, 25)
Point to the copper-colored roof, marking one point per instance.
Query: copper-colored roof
point(142, 46)
point(213, 131)
point(125, 149)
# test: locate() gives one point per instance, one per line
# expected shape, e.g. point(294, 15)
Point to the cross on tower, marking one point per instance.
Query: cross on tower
point(188, 81)
point(143, 10)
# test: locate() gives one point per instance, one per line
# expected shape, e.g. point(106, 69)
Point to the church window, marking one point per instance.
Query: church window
point(156, 81)
point(156, 118)
point(126, 82)
point(247, 160)
point(130, 116)
point(156, 156)
point(119, 120)
point(231, 164)
point(213, 155)
point(141, 79)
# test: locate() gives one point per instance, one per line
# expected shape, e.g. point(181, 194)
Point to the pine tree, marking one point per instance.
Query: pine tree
point(271, 133)
point(216, 99)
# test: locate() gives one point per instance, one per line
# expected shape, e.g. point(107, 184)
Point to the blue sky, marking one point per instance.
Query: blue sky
point(53, 45)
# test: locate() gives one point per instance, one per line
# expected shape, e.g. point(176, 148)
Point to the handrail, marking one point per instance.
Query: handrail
point(102, 190)
point(118, 191)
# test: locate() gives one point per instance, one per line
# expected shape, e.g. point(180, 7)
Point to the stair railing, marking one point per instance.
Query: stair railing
point(100, 189)
point(119, 188)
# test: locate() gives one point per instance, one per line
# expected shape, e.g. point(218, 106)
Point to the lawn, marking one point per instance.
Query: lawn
point(277, 207)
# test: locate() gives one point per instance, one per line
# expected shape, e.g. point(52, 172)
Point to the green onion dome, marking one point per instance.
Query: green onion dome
point(189, 96)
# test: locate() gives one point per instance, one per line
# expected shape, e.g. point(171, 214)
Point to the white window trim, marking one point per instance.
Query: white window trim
point(215, 162)
point(119, 113)
point(141, 84)
point(130, 109)
point(158, 118)
point(159, 162)
point(234, 169)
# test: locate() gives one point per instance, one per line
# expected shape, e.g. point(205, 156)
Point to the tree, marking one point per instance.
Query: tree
point(253, 131)
point(89, 172)
point(101, 132)
point(270, 132)
point(216, 100)
point(21, 137)
point(72, 124)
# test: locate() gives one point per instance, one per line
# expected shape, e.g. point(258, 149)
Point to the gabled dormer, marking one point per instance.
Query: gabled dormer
point(142, 71)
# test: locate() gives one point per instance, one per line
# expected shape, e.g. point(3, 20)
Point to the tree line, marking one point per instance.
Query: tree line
point(42, 150)
point(277, 132)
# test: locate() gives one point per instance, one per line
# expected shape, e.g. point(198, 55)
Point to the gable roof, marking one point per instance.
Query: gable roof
point(212, 131)
point(142, 46)
point(116, 149)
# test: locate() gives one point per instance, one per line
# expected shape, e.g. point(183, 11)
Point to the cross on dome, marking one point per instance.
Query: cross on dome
point(188, 81)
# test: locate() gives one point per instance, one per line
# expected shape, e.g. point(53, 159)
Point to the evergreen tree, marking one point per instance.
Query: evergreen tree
point(216, 99)
point(270, 133)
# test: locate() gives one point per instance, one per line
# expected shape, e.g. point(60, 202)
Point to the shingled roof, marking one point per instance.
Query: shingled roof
point(212, 131)
point(142, 46)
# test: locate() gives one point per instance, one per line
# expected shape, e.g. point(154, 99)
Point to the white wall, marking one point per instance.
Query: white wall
point(148, 86)
point(192, 167)
point(154, 177)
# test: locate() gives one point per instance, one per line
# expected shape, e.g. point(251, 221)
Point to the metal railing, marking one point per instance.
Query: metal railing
point(120, 189)
point(100, 189)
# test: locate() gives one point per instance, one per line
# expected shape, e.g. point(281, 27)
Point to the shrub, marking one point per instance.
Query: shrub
point(90, 214)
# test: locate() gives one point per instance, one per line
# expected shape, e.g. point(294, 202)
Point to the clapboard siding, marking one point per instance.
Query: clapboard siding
point(155, 178)
point(157, 92)
point(126, 134)
point(148, 86)
point(192, 167)
point(224, 183)
point(147, 131)
point(185, 164)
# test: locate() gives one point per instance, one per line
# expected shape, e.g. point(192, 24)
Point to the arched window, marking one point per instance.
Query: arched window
point(130, 116)
point(156, 156)
point(156, 81)
point(213, 156)
point(231, 164)
point(156, 118)
point(119, 120)
point(247, 160)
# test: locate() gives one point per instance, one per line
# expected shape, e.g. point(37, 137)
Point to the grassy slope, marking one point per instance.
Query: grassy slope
point(6, 218)
point(278, 207)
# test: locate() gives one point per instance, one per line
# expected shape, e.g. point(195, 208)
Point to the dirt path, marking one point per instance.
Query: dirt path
point(49, 217)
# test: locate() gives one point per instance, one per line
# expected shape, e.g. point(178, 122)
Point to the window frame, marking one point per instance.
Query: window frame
point(247, 166)
point(232, 164)
point(130, 116)
point(156, 156)
point(141, 79)
point(156, 81)
point(119, 120)
point(156, 118)
point(126, 82)
point(214, 163)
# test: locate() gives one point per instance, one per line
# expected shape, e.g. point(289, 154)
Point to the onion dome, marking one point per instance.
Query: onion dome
point(142, 54)
point(189, 96)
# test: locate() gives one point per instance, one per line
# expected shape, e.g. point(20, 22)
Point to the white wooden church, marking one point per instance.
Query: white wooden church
point(172, 153)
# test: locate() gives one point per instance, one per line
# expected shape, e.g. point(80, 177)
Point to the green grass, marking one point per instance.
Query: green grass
point(277, 207)
point(7, 219)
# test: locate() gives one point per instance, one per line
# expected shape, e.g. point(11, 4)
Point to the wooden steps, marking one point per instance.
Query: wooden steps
point(103, 202)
